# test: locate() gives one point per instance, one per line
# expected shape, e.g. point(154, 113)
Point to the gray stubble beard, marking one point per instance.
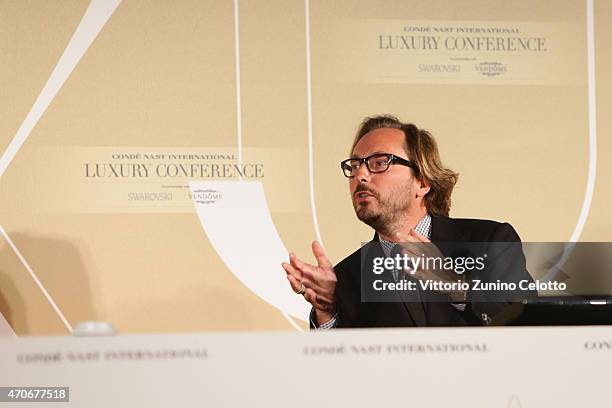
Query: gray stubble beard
point(387, 220)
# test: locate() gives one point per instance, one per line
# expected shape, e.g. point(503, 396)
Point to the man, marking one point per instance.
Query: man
point(401, 189)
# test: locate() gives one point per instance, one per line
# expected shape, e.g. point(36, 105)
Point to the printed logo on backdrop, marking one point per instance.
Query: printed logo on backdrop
point(142, 179)
point(206, 196)
point(159, 178)
point(491, 68)
point(171, 166)
point(456, 52)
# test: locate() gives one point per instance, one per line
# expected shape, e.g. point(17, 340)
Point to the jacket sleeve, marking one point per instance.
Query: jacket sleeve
point(505, 266)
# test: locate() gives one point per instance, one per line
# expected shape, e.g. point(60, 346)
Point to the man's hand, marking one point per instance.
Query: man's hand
point(416, 245)
point(319, 282)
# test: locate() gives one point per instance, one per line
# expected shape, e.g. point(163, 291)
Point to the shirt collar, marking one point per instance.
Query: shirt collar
point(423, 228)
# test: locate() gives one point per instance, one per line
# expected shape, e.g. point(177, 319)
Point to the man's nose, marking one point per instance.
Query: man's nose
point(363, 174)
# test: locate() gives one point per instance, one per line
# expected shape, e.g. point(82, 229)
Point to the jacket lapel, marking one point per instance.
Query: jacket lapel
point(414, 309)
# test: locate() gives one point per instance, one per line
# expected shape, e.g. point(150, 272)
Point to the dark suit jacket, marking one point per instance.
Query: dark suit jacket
point(509, 266)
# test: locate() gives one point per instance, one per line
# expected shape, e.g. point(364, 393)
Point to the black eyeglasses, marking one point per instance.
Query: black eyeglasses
point(376, 163)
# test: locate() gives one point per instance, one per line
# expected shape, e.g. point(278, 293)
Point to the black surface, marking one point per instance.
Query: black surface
point(558, 311)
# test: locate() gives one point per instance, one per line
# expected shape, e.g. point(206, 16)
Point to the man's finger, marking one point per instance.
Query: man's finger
point(292, 271)
point(310, 277)
point(402, 237)
point(414, 243)
point(295, 284)
point(301, 266)
point(411, 236)
point(413, 249)
point(419, 274)
point(321, 257)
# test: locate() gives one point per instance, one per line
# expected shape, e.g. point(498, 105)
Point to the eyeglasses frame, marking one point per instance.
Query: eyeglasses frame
point(393, 159)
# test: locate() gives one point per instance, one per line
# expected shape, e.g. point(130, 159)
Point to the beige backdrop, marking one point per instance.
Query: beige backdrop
point(158, 87)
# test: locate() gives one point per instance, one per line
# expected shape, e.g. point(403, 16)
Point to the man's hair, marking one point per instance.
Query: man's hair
point(423, 151)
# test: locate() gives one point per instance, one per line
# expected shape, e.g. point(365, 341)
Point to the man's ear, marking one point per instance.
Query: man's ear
point(423, 187)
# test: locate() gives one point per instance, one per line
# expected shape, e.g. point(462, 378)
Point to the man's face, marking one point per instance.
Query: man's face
point(383, 200)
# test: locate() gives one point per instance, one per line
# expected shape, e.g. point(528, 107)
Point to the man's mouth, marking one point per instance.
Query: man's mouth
point(362, 196)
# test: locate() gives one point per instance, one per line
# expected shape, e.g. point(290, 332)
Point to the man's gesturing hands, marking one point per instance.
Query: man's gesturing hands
point(415, 245)
point(319, 282)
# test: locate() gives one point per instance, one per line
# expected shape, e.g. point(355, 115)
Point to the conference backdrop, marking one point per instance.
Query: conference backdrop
point(160, 158)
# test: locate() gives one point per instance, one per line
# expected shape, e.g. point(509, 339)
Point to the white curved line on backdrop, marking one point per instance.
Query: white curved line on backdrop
point(36, 280)
point(97, 14)
point(237, 221)
point(274, 233)
point(238, 83)
point(313, 207)
point(592, 172)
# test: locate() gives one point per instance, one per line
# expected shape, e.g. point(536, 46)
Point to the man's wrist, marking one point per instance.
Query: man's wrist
point(322, 317)
point(459, 296)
